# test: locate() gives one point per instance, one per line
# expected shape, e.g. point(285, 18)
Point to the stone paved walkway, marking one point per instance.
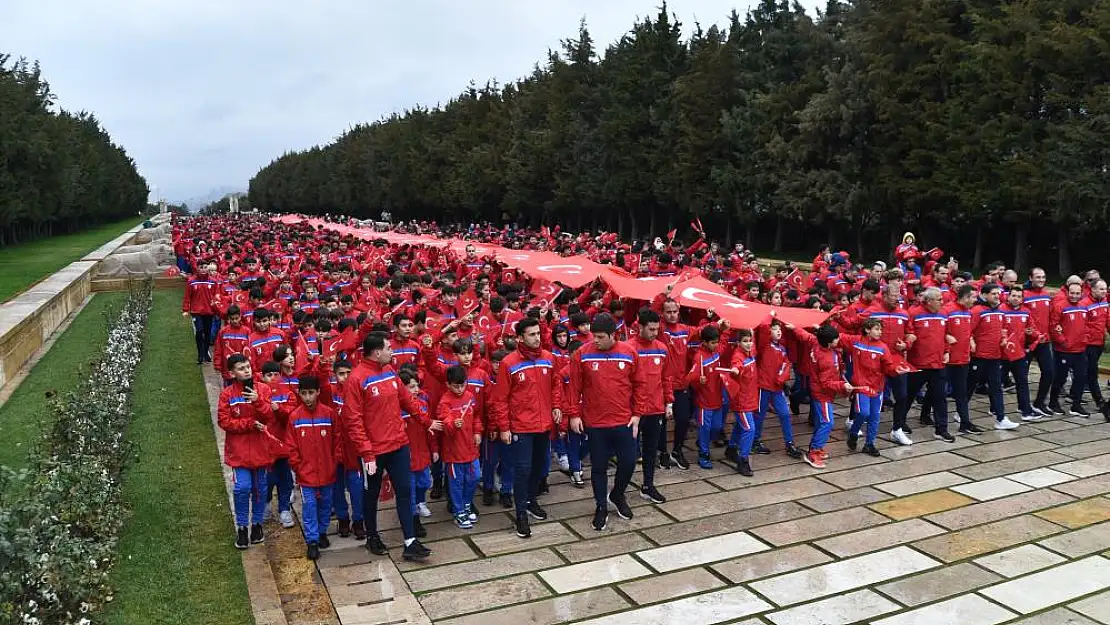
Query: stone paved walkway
point(1003, 527)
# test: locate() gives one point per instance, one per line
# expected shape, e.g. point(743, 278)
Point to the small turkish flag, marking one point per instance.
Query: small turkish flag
point(468, 303)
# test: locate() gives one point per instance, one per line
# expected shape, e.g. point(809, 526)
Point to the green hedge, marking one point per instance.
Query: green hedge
point(59, 530)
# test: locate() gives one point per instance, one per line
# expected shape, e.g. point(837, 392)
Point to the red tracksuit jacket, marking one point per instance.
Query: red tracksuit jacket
point(333, 397)
point(652, 360)
point(314, 445)
point(871, 363)
point(200, 296)
point(706, 396)
point(743, 386)
point(988, 328)
point(230, 340)
point(457, 442)
point(773, 368)
point(374, 401)
point(1039, 303)
point(1067, 325)
point(959, 327)
point(893, 320)
point(606, 387)
point(931, 330)
point(422, 444)
point(526, 391)
point(262, 346)
point(1098, 322)
point(827, 382)
point(1018, 320)
point(245, 447)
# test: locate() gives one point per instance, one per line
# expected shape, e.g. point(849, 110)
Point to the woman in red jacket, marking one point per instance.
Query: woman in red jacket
point(243, 412)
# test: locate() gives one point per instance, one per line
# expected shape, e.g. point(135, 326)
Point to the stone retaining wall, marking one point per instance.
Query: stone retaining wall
point(28, 320)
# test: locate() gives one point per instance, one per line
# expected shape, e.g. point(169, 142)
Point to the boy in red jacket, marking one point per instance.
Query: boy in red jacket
point(824, 386)
point(231, 339)
point(870, 361)
point(422, 450)
point(243, 412)
point(460, 434)
point(705, 385)
point(742, 384)
point(348, 474)
point(314, 448)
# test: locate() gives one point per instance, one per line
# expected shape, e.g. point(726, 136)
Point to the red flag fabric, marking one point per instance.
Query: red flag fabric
point(671, 235)
point(544, 293)
point(800, 280)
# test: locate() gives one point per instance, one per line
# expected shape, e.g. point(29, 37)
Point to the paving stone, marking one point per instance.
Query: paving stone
point(965, 610)
point(991, 489)
point(938, 584)
point(1081, 542)
point(770, 563)
point(1080, 513)
point(1078, 435)
point(402, 609)
point(925, 447)
point(595, 573)
point(1019, 560)
point(753, 497)
point(983, 539)
point(1057, 616)
point(558, 609)
point(988, 511)
point(818, 526)
point(739, 520)
point(921, 483)
point(877, 538)
point(671, 586)
point(543, 534)
point(1096, 607)
point(1056, 585)
point(921, 504)
point(1086, 450)
point(791, 471)
point(371, 582)
point(844, 575)
point(1041, 478)
point(850, 608)
point(845, 499)
point(1005, 449)
point(1088, 467)
point(1097, 485)
point(643, 517)
point(998, 468)
point(482, 596)
point(422, 580)
point(712, 549)
point(713, 607)
point(604, 547)
point(867, 476)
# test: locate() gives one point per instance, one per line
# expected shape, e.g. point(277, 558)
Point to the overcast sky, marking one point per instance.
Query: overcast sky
point(204, 93)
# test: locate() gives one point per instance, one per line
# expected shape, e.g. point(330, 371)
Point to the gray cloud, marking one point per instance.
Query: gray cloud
point(204, 93)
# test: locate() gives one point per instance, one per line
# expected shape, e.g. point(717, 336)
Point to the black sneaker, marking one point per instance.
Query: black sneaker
point(257, 535)
point(487, 497)
point(1056, 408)
point(907, 430)
point(536, 511)
point(313, 551)
point(665, 461)
point(344, 528)
point(759, 448)
point(375, 545)
point(732, 453)
point(853, 441)
point(972, 429)
point(601, 518)
point(793, 451)
point(241, 540)
point(437, 489)
point(871, 451)
point(358, 528)
point(522, 528)
point(944, 436)
point(624, 511)
point(926, 420)
point(544, 488)
point(416, 551)
point(506, 500)
point(743, 467)
point(650, 494)
point(323, 541)
point(1079, 411)
point(418, 527)
point(679, 460)
point(1040, 408)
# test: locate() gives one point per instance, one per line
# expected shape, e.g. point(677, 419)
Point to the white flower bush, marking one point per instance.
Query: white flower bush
point(61, 517)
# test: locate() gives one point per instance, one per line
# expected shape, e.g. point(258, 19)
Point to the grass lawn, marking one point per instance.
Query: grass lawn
point(177, 563)
point(23, 265)
point(26, 411)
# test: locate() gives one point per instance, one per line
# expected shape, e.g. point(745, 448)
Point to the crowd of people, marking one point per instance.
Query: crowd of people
point(349, 359)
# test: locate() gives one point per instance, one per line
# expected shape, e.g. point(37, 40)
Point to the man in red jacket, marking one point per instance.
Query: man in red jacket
point(1098, 324)
point(988, 329)
point(524, 409)
point(1020, 331)
point(1039, 302)
point(242, 412)
point(606, 397)
point(374, 400)
point(1067, 324)
point(651, 356)
point(929, 354)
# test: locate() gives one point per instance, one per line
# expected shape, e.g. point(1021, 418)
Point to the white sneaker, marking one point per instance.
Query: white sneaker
point(848, 425)
point(423, 510)
point(900, 437)
point(1005, 424)
point(1032, 417)
point(287, 519)
point(564, 463)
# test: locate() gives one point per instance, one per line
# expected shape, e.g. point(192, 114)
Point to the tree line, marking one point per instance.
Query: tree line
point(981, 125)
point(59, 171)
